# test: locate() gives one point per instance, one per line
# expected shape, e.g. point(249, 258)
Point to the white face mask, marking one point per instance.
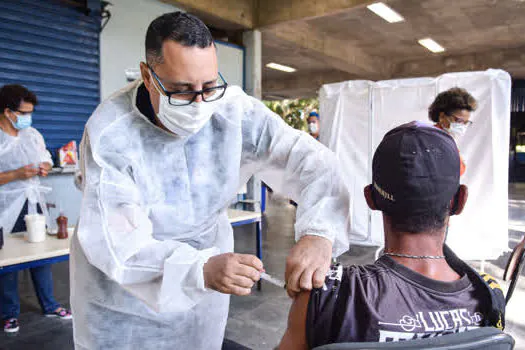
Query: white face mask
point(184, 120)
point(313, 128)
point(457, 130)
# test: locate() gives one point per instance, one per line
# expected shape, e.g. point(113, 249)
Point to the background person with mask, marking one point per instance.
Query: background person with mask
point(152, 262)
point(313, 125)
point(451, 112)
point(23, 157)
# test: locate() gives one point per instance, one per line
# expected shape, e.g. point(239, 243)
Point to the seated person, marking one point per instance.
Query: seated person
point(418, 288)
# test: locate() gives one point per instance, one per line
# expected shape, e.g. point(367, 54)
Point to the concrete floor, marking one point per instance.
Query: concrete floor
point(259, 320)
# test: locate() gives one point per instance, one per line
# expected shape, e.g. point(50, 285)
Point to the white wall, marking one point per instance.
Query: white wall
point(64, 194)
point(122, 44)
point(122, 40)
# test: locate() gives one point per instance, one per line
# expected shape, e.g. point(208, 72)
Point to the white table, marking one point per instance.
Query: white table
point(243, 217)
point(240, 216)
point(17, 254)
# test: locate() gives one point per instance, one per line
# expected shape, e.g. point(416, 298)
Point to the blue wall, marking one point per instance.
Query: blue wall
point(52, 48)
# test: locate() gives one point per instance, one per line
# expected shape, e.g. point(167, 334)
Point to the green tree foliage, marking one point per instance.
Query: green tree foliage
point(294, 112)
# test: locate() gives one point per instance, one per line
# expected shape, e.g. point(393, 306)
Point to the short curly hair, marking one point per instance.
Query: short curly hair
point(451, 100)
point(12, 96)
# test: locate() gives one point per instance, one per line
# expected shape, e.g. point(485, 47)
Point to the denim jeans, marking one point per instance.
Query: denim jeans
point(42, 281)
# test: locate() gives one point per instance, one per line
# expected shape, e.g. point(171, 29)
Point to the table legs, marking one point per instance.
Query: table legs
point(258, 231)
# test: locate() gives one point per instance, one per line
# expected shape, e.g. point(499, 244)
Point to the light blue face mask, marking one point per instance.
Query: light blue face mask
point(23, 121)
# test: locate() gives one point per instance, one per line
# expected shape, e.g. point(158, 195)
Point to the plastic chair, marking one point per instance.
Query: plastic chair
point(486, 338)
point(514, 267)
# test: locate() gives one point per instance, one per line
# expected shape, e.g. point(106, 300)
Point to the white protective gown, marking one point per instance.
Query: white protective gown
point(15, 152)
point(155, 209)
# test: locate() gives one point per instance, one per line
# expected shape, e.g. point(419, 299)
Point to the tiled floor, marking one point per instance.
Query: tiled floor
point(257, 321)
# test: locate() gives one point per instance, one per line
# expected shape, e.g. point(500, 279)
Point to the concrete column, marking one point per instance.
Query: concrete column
point(252, 41)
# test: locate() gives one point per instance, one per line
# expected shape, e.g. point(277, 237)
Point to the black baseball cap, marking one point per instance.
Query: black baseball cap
point(415, 170)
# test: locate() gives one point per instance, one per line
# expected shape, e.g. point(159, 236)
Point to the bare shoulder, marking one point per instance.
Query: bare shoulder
point(295, 336)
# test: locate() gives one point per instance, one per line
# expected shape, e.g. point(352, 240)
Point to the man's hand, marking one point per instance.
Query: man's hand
point(26, 172)
point(43, 169)
point(232, 273)
point(307, 264)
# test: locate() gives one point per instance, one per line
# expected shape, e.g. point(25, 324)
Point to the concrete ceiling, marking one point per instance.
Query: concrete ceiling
point(335, 40)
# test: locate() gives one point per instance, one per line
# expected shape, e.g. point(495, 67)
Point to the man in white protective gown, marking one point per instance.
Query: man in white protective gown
point(151, 263)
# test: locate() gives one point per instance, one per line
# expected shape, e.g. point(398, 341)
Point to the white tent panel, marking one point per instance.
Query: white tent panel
point(355, 115)
point(350, 139)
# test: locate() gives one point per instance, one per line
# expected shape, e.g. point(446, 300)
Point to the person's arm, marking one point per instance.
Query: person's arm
point(45, 161)
point(22, 173)
point(295, 336)
point(116, 235)
point(311, 317)
point(295, 164)
point(7, 176)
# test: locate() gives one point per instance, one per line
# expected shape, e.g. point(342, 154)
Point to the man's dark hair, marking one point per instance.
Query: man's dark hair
point(427, 222)
point(180, 27)
point(451, 100)
point(11, 96)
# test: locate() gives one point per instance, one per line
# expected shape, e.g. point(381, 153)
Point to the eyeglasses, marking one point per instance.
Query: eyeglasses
point(460, 120)
point(184, 98)
point(22, 112)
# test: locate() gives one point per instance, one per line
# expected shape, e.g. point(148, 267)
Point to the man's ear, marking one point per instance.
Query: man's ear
point(457, 204)
point(146, 75)
point(369, 196)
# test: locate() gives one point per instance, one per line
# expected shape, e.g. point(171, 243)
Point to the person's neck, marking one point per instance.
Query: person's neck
point(6, 126)
point(420, 244)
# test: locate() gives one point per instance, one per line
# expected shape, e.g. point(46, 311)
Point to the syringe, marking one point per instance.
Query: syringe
point(272, 280)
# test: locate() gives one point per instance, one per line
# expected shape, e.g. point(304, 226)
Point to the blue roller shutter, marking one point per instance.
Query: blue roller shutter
point(52, 48)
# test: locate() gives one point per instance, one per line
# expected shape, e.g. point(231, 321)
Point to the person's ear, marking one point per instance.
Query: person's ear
point(8, 113)
point(443, 120)
point(457, 204)
point(369, 197)
point(146, 75)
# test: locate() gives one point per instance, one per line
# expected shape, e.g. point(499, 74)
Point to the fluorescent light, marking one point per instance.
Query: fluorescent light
point(385, 12)
point(281, 67)
point(431, 45)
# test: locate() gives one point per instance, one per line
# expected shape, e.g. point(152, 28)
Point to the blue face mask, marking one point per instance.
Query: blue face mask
point(23, 121)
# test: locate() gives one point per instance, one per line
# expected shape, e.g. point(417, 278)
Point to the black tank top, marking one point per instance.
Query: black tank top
point(386, 301)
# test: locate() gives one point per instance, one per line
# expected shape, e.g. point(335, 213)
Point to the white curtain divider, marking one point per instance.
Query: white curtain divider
point(356, 114)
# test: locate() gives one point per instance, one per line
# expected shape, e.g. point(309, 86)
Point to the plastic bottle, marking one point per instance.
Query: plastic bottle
point(62, 226)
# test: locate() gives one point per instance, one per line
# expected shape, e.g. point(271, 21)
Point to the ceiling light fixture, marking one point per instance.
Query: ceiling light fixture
point(431, 45)
point(385, 12)
point(281, 67)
